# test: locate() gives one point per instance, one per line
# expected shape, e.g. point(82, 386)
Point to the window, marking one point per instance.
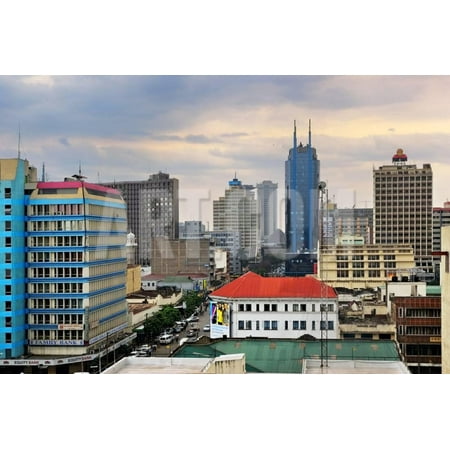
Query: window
point(358, 274)
point(295, 325)
point(313, 325)
point(302, 324)
point(303, 307)
point(8, 274)
point(241, 307)
point(330, 307)
point(286, 307)
point(266, 307)
point(8, 289)
point(286, 325)
point(295, 307)
point(240, 325)
point(257, 324)
point(257, 307)
point(274, 325)
point(248, 324)
point(330, 325)
point(7, 225)
point(313, 307)
point(248, 307)
point(274, 307)
point(267, 324)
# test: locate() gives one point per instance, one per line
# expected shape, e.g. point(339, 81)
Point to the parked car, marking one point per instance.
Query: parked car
point(191, 332)
point(206, 328)
point(166, 338)
point(192, 319)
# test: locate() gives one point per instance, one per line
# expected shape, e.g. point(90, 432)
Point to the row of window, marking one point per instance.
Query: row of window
point(360, 274)
point(51, 319)
point(419, 312)
point(361, 257)
point(370, 265)
point(419, 330)
point(288, 325)
point(59, 303)
point(55, 335)
point(294, 307)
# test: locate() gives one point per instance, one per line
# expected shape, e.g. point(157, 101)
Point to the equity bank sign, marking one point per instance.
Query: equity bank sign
point(55, 342)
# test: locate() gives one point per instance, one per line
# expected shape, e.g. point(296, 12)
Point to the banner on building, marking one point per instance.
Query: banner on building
point(219, 319)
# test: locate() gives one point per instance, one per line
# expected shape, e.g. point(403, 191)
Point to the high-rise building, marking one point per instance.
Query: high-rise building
point(302, 171)
point(152, 210)
point(63, 268)
point(266, 193)
point(76, 267)
point(237, 211)
point(403, 199)
point(17, 178)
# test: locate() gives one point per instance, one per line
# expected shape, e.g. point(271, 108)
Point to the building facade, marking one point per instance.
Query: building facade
point(266, 193)
point(364, 266)
point(354, 222)
point(403, 203)
point(76, 258)
point(17, 179)
point(302, 170)
point(418, 323)
point(229, 241)
point(274, 307)
point(179, 256)
point(152, 210)
point(441, 218)
point(237, 211)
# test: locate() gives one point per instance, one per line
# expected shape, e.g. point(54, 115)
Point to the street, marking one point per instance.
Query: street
point(166, 350)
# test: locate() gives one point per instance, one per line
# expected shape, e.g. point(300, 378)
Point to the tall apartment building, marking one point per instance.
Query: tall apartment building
point(63, 262)
point(237, 211)
point(302, 170)
point(403, 199)
point(152, 210)
point(266, 194)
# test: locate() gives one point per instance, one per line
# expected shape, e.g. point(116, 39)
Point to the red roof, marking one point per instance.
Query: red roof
point(252, 285)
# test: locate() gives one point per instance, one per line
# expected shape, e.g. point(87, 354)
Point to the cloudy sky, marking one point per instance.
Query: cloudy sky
point(204, 129)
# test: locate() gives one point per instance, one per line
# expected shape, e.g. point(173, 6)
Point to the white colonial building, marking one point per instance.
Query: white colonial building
point(274, 307)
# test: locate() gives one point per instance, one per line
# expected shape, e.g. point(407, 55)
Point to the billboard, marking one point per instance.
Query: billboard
point(219, 318)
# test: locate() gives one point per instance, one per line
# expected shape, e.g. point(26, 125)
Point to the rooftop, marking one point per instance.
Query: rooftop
point(252, 285)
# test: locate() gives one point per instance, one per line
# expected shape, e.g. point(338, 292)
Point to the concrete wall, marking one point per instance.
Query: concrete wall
point(445, 301)
point(133, 279)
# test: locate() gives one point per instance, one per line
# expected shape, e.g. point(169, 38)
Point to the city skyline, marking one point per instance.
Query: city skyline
point(204, 130)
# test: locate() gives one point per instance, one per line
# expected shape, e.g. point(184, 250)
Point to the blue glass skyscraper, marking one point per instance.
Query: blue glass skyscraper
point(302, 171)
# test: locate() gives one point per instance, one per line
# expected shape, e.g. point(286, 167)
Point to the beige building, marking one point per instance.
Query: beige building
point(237, 211)
point(364, 266)
point(178, 256)
point(403, 207)
point(445, 299)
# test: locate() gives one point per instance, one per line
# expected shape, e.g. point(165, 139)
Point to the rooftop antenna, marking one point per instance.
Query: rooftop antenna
point(79, 177)
point(309, 134)
point(295, 135)
point(18, 145)
point(43, 172)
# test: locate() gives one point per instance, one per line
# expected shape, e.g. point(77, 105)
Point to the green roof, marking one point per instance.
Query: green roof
point(286, 355)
